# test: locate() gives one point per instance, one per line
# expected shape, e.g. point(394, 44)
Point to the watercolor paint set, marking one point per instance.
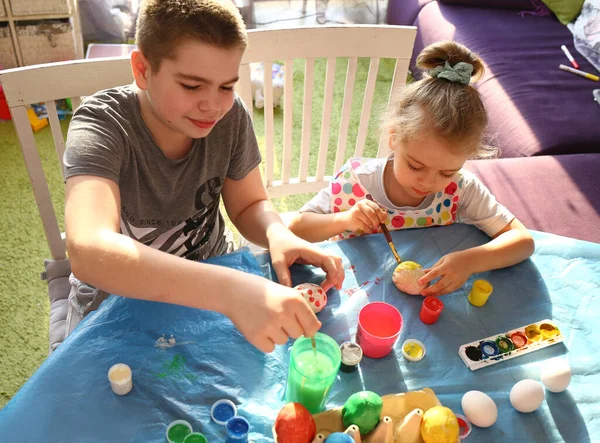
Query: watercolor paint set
point(511, 344)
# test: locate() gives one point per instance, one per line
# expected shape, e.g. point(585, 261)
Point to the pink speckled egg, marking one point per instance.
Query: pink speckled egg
point(314, 295)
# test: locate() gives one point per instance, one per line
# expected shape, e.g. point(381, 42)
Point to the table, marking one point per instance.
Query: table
point(69, 397)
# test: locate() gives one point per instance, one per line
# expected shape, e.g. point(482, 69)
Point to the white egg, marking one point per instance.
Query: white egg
point(479, 408)
point(526, 395)
point(556, 375)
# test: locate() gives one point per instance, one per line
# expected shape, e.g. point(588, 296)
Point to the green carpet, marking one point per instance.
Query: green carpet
point(24, 306)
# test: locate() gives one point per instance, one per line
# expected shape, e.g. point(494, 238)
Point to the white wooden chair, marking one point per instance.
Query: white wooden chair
point(74, 79)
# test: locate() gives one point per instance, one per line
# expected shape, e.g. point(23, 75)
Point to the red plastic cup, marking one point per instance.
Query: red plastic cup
point(379, 326)
point(431, 309)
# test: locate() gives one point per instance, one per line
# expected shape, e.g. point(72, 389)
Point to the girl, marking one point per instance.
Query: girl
point(435, 126)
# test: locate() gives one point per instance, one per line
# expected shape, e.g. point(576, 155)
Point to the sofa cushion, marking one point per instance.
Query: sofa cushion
point(534, 107)
point(556, 194)
point(521, 5)
point(404, 12)
point(566, 10)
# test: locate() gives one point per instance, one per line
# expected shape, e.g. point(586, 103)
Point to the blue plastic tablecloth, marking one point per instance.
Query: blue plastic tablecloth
point(69, 398)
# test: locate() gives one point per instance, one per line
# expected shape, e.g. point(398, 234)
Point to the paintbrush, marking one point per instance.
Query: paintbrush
point(388, 237)
point(386, 232)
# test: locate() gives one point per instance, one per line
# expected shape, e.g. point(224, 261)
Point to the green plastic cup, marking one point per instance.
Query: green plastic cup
point(312, 371)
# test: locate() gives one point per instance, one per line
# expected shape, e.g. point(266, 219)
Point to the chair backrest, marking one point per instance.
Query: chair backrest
point(326, 45)
point(74, 79)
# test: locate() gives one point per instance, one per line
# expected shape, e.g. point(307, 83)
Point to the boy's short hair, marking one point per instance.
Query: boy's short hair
point(162, 25)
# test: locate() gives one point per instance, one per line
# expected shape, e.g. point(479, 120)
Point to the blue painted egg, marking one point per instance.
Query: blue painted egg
point(339, 437)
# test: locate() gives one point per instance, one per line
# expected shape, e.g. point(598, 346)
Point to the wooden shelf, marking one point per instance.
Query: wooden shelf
point(22, 18)
point(13, 19)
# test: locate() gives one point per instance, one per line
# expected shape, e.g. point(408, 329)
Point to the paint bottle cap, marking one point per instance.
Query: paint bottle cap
point(413, 350)
point(222, 411)
point(119, 376)
point(178, 430)
point(351, 352)
point(464, 426)
point(195, 437)
point(237, 430)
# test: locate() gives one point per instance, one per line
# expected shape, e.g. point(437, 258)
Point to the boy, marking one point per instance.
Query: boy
point(146, 165)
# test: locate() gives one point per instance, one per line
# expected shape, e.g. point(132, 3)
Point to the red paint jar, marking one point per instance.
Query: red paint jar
point(431, 309)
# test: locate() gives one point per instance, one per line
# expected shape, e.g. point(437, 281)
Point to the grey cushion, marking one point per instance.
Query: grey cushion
point(57, 275)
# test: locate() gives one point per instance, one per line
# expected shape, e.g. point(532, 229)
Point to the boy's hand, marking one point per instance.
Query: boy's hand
point(454, 270)
point(287, 249)
point(365, 216)
point(271, 315)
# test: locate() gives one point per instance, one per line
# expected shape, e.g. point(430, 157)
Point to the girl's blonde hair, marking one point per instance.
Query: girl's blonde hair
point(450, 110)
point(162, 25)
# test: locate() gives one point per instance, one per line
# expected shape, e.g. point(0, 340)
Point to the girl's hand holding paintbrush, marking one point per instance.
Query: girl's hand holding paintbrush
point(365, 216)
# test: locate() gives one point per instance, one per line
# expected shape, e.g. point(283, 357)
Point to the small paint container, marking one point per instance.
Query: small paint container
point(119, 376)
point(504, 344)
point(464, 426)
point(474, 353)
point(548, 331)
point(378, 329)
point(413, 350)
point(480, 292)
point(195, 437)
point(489, 349)
point(178, 430)
point(533, 333)
point(519, 339)
point(222, 411)
point(352, 354)
point(431, 309)
point(237, 430)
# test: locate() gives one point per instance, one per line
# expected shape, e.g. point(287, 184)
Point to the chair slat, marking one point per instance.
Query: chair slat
point(288, 131)
point(346, 111)
point(399, 79)
point(38, 182)
point(309, 74)
point(326, 124)
point(244, 88)
point(297, 187)
point(53, 81)
point(268, 112)
point(59, 141)
point(366, 107)
point(75, 102)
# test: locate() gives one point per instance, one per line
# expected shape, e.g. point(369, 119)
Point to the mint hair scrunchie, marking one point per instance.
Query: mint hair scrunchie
point(459, 73)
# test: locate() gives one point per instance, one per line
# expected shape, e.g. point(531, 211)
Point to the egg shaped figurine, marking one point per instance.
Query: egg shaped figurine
point(439, 425)
point(314, 295)
point(406, 277)
point(479, 408)
point(339, 437)
point(526, 395)
point(556, 375)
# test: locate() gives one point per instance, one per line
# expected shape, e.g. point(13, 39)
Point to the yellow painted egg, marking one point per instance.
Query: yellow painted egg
point(439, 425)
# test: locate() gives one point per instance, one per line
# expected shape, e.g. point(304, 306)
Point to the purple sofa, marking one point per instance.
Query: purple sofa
point(544, 120)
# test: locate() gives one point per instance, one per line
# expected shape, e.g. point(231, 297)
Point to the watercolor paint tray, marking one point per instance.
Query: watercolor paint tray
point(395, 406)
point(514, 343)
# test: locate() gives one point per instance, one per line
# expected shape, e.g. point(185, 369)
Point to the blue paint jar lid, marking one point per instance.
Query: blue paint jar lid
point(222, 411)
point(489, 348)
point(237, 429)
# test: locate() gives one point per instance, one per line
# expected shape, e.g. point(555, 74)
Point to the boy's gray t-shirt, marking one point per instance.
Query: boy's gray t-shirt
point(170, 205)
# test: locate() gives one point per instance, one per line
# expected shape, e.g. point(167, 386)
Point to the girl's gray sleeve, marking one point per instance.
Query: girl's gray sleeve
point(320, 203)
